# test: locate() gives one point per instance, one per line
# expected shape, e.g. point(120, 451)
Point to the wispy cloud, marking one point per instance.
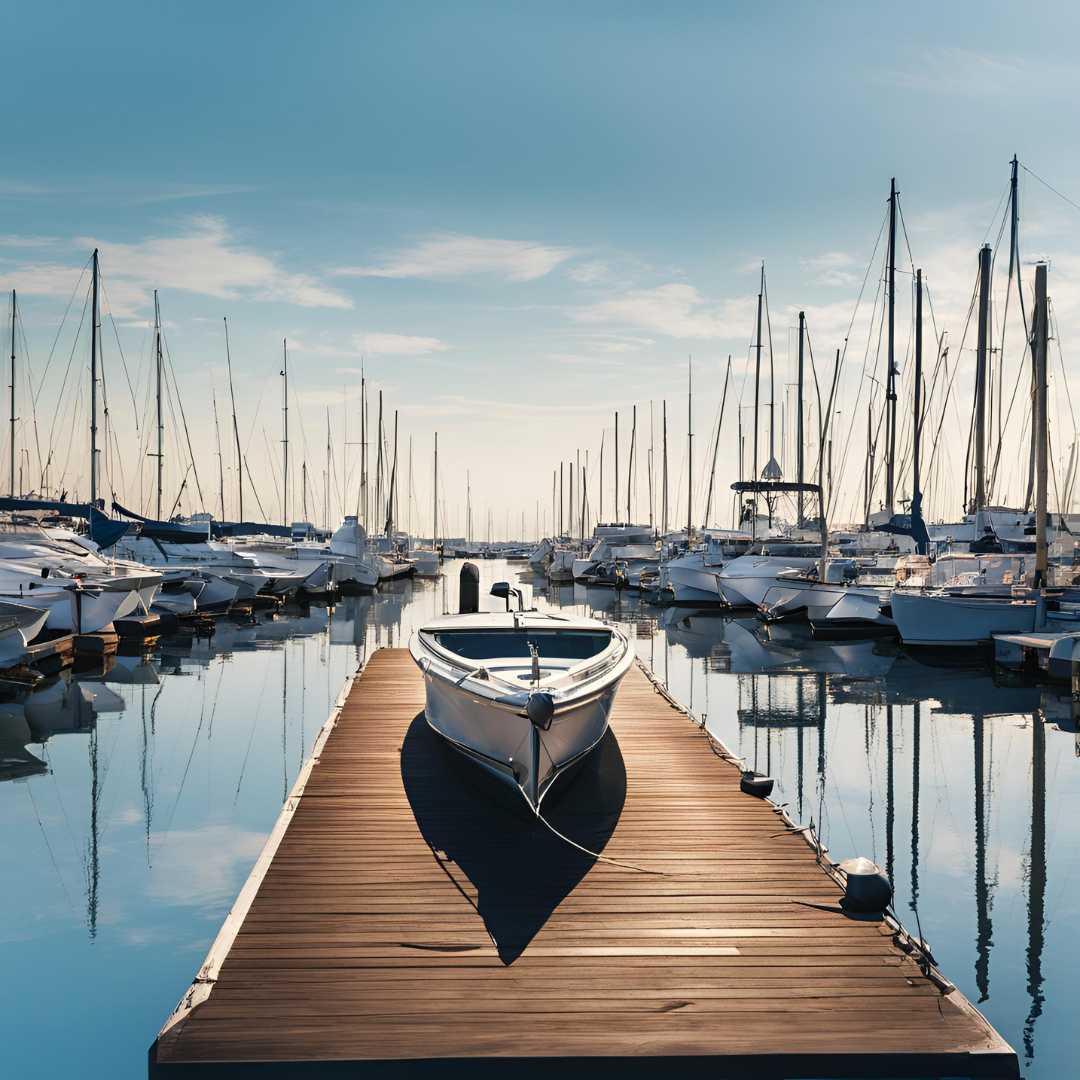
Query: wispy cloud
point(591, 272)
point(194, 191)
point(831, 268)
point(487, 408)
point(28, 241)
point(618, 343)
point(205, 257)
point(675, 310)
point(204, 866)
point(451, 255)
point(957, 71)
point(376, 344)
point(373, 343)
point(17, 189)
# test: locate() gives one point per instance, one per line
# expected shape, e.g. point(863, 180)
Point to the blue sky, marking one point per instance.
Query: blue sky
point(522, 216)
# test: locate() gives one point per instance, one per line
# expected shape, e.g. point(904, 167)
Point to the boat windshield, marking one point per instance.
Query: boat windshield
point(489, 644)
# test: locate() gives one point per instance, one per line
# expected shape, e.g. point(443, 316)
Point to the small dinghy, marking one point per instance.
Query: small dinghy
point(523, 696)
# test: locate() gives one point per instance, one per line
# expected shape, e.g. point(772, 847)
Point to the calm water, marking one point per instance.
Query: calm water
point(133, 803)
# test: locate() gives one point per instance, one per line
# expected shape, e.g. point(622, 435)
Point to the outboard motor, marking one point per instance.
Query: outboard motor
point(469, 590)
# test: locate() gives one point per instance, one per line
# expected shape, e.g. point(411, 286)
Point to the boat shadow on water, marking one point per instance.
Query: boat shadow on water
point(520, 870)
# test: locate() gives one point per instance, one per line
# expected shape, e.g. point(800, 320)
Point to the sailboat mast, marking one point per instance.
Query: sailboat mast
point(652, 460)
point(601, 511)
point(716, 447)
point(981, 352)
point(890, 384)
point(285, 439)
point(799, 424)
point(1039, 421)
point(391, 506)
point(236, 427)
point(221, 460)
point(584, 477)
point(916, 490)
point(689, 448)
point(616, 466)
point(160, 423)
point(363, 447)
point(757, 371)
point(630, 468)
point(379, 458)
point(435, 499)
point(94, 322)
point(562, 466)
point(409, 496)
point(664, 486)
point(1014, 264)
point(11, 490)
point(570, 515)
point(868, 485)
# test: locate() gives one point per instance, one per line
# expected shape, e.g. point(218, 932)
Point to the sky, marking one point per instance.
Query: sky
point(520, 219)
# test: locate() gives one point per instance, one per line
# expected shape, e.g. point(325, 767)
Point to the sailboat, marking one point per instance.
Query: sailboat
point(937, 617)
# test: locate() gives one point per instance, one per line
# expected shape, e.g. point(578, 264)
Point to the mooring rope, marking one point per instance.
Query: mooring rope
point(594, 854)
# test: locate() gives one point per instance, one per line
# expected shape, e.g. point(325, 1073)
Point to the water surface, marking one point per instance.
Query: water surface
point(134, 801)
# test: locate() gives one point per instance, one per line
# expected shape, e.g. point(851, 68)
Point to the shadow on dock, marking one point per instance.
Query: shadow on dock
point(519, 869)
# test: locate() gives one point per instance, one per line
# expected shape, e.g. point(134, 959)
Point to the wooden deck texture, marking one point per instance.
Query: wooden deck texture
point(406, 918)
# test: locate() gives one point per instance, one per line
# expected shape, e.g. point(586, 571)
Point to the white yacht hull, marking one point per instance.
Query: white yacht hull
point(933, 619)
point(82, 611)
point(828, 605)
point(691, 581)
point(745, 580)
point(19, 625)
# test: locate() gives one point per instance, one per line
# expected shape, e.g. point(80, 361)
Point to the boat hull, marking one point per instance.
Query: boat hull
point(691, 581)
point(745, 580)
point(958, 621)
point(505, 747)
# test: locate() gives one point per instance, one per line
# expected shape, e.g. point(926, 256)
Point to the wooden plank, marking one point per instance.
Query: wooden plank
point(399, 918)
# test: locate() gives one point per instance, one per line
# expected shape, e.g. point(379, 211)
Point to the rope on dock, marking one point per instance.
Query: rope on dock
point(596, 855)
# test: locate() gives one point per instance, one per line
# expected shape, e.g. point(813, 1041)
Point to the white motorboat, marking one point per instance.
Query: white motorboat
point(522, 696)
point(744, 581)
point(692, 578)
point(936, 618)
point(19, 625)
point(540, 557)
point(838, 604)
point(69, 606)
point(632, 545)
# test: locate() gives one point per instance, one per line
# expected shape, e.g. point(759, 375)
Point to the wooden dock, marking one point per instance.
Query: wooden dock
point(399, 921)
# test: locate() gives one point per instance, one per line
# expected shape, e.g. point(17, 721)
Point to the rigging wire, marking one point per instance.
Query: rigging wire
point(1046, 185)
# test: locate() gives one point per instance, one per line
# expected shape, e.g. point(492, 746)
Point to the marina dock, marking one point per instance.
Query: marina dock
point(399, 920)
